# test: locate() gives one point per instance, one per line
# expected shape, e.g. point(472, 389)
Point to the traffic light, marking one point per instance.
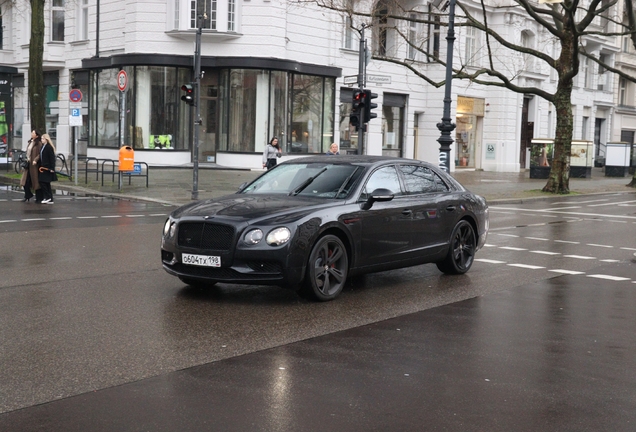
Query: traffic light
point(355, 119)
point(368, 105)
point(188, 96)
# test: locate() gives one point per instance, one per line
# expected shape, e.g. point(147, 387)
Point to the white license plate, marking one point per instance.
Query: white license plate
point(201, 260)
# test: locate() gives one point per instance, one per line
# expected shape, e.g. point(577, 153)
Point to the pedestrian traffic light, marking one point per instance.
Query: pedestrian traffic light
point(188, 96)
point(368, 105)
point(357, 109)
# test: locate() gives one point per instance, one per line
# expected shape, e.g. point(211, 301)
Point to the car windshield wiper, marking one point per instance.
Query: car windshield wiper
point(344, 185)
point(306, 183)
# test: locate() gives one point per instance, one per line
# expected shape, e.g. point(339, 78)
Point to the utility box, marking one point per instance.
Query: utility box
point(617, 159)
point(126, 159)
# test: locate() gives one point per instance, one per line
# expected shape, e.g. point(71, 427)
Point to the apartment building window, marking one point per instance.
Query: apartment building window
point(622, 91)
point(585, 72)
point(231, 15)
point(176, 13)
point(436, 36)
point(82, 20)
point(412, 51)
point(206, 9)
point(471, 46)
point(348, 33)
point(602, 75)
point(585, 125)
point(527, 41)
point(382, 22)
point(57, 20)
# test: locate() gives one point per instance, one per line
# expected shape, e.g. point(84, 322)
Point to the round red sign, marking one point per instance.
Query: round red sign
point(75, 95)
point(122, 80)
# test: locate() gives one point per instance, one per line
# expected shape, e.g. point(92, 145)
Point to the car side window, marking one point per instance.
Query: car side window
point(386, 178)
point(441, 184)
point(418, 179)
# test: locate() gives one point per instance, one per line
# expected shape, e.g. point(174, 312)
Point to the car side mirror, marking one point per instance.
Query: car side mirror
point(378, 195)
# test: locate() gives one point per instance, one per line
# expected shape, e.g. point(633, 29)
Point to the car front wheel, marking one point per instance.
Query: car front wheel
point(461, 252)
point(327, 269)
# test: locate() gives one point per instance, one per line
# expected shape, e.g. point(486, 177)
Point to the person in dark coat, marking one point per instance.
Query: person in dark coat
point(29, 180)
point(47, 168)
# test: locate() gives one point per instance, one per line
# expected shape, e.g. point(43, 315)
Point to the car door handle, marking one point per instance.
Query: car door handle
point(407, 212)
point(451, 208)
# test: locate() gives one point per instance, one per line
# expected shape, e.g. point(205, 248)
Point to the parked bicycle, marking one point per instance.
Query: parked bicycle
point(19, 156)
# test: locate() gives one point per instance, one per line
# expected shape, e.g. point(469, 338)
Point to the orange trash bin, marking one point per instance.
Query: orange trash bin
point(126, 159)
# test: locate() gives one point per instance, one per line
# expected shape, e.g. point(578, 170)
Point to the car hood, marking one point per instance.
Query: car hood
point(254, 208)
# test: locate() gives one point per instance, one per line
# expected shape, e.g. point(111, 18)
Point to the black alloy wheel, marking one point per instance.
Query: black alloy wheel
point(461, 252)
point(327, 269)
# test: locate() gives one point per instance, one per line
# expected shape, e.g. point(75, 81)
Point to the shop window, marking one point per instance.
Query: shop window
point(278, 108)
point(393, 124)
point(57, 20)
point(307, 107)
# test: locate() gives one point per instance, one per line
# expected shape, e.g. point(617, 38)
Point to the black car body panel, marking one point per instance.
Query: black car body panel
point(408, 228)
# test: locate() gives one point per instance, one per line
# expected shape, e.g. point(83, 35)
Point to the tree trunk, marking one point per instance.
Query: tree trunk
point(559, 179)
point(37, 95)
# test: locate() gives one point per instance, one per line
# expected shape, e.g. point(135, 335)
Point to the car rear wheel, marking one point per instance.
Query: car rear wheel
point(461, 252)
point(197, 283)
point(327, 269)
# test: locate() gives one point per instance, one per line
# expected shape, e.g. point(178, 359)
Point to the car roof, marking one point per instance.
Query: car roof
point(354, 159)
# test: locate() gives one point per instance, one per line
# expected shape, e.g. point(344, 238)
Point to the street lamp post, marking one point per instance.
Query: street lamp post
point(446, 126)
point(197, 115)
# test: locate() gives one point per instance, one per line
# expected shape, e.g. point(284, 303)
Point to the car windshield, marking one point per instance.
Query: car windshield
point(322, 180)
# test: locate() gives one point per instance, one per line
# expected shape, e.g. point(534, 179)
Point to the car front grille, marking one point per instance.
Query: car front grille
point(221, 273)
point(203, 235)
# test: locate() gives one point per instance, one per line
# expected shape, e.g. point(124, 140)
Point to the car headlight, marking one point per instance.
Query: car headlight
point(166, 227)
point(253, 237)
point(278, 236)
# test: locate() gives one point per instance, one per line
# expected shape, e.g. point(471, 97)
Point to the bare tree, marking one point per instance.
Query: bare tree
point(37, 96)
point(566, 24)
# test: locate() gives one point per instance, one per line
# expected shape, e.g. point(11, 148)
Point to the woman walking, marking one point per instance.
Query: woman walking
point(271, 152)
point(29, 180)
point(47, 168)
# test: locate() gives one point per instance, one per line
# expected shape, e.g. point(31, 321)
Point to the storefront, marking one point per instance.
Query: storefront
point(6, 111)
point(470, 115)
point(244, 103)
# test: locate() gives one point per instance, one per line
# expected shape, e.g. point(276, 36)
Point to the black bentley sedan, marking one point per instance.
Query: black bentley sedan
point(312, 222)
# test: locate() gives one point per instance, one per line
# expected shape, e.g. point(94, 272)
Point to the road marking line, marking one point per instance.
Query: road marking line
point(31, 220)
point(537, 238)
point(629, 249)
point(489, 261)
point(158, 214)
point(599, 245)
point(135, 215)
point(10, 220)
point(111, 216)
point(608, 277)
point(526, 266)
point(490, 245)
point(581, 202)
point(579, 257)
point(507, 235)
point(538, 224)
point(87, 217)
point(545, 252)
point(610, 260)
point(616, 221)
point(568, 213)
point(570, 272)
point(512, 248)
point(61, 218)
point(612, 203)
point(567, 241)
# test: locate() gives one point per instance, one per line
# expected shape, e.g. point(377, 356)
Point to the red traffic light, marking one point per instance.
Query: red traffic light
point(188, 97)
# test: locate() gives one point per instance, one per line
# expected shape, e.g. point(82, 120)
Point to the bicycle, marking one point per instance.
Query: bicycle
point(21, 157)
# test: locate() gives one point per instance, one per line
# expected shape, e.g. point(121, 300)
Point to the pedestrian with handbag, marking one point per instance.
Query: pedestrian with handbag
point(29, 180)
point(47, 168)
point(271, 153)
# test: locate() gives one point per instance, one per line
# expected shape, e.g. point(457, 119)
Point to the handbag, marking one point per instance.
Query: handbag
point(24, 165)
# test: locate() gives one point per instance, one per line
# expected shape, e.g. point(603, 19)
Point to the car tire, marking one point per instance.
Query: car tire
point(327, 269)
point(461, 251)
point(197, 283)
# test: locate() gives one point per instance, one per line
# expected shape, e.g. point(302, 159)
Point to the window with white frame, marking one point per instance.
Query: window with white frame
point(348, 41)
point(471, 46)
point(436, 37)
point(82, 20)
point(231, 15)
point(585, 126)
point(585, 72)
point(205, 11)
point(411, 51)
point(57, 20)
point(602, 73)
point(527, 41)
point(175, 22)
point(622, 91)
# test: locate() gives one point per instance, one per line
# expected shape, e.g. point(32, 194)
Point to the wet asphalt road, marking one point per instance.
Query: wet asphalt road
point(539, 335)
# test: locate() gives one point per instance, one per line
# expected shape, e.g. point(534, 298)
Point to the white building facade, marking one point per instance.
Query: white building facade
point(275, 68)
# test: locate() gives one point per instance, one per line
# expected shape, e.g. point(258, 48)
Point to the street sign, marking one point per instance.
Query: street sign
point(75, 114)
point(75, 95)
point(379, 79)
point(122, 80)
point(351, 79)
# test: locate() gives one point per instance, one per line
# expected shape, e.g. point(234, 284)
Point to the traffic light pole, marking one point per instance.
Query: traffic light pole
point(361, 82)
point(197, 116)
